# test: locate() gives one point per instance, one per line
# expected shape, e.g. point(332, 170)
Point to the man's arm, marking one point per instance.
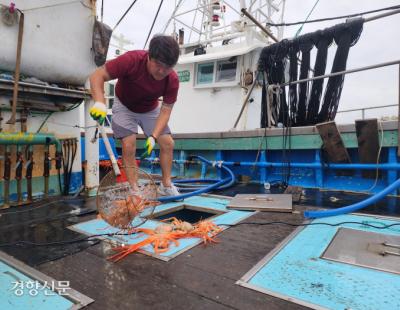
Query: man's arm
point(97, 80)
point(162, 119)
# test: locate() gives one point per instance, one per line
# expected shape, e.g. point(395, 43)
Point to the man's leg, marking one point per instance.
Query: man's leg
point(166, 144)
point(129, 160)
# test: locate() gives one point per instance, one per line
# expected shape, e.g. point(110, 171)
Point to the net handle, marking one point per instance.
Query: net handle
point(109, 150)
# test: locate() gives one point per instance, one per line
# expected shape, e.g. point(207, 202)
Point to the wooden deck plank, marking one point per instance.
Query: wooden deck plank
point(114, 286)
point(201, 278)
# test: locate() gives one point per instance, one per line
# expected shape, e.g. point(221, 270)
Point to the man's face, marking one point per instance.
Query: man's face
point(157, 69)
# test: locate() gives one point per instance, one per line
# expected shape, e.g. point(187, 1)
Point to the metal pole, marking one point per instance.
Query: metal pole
point(188, 11)
point(17, 69)
point(246, 99)
point(384, 64)
point(269, 33)
point(44, 87)
point(398, 120)
point(186, 25)
point(369, 19)
point(369, 108)
point(172, 16)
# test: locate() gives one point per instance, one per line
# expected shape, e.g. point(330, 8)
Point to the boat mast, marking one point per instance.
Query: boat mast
point(210, 21)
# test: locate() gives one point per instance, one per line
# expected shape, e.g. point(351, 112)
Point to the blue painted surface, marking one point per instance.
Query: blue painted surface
point(76, 182)
point(45, 298)
point(103, 155)
point(98, 226)
point(298, 272)
point(307, 168)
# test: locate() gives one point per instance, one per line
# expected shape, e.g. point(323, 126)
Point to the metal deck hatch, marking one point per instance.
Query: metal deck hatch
point(298, 269)
point(262, 202)
point(366, 249)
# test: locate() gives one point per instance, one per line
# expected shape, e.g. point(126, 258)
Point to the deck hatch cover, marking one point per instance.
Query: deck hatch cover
point(366, 249)
point(262, 202)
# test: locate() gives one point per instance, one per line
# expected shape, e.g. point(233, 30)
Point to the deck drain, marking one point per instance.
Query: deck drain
point(187, 213)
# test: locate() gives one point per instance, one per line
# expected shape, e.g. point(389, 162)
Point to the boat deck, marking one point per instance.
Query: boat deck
point(203, 277)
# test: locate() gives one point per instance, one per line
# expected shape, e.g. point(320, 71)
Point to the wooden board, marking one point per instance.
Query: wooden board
point(333, 145)
point(368, 144)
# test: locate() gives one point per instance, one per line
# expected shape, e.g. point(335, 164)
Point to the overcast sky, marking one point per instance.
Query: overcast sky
point(379, 42)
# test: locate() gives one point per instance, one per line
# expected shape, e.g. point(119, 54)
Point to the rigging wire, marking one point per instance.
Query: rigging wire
point(382, 226)
point(123, 16)
point(53, 5)
point(102, 10)
point(309, 14)
point(152, 25)
point(44, 122)
point(334, 18)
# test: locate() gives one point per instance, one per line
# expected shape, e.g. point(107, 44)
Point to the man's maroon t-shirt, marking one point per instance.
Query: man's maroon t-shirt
point(136, 88)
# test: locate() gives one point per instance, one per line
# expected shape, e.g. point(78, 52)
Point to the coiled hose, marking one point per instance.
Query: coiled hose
point(199, 189)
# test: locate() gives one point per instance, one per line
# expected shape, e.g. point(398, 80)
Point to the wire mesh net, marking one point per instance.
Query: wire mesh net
point(121, 206)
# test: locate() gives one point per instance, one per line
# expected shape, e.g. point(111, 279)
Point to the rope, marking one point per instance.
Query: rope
point(272, 90)
point(54, 5)
point(377, 158)
point(152, 25)
point(123, 16)
point(301, 27)
point(44, 122)
point(337, 17)
point(102, 10)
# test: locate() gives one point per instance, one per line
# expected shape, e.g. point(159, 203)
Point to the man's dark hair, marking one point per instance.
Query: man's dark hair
point(164, 49)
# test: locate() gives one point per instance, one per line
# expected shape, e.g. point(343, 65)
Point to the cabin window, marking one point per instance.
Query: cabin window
point(110, 94)
point(217, 73)
point(205, 73)
point(226, 70)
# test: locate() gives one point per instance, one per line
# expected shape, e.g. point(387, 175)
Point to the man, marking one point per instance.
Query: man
point(143, 77)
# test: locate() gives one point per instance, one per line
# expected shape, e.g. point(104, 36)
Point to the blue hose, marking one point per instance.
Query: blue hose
point(187, 185)
point(356, 206)
point(224, 183)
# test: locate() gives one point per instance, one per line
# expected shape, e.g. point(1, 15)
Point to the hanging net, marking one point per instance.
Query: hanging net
point(302, 104)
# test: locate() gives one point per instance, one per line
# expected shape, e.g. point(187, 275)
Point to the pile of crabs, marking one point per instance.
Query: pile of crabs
point(165, 234)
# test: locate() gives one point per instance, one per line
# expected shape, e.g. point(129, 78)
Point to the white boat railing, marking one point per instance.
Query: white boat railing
point(362, 110)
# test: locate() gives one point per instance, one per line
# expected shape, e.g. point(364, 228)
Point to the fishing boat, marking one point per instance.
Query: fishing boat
point(280, 207)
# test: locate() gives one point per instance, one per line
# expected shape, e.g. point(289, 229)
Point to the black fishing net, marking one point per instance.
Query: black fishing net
point(294, 57)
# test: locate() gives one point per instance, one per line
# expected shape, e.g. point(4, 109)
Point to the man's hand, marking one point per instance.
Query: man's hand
point(149, 146)
point(98, 112)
